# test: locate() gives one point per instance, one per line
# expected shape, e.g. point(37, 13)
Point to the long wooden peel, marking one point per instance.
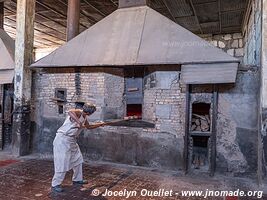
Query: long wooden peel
point(121, 120)
point(114, 121)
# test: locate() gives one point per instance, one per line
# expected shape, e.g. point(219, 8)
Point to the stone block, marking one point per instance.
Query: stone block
point(214, 42)
point(163, 111)
point(240, 43)
point(239, 52)
point(235, 44)
point(227, 37)
point(231, 52)
point(237, 36)
point(221, 44)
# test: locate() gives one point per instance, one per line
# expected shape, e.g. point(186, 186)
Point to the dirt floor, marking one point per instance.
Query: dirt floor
point(30, 178)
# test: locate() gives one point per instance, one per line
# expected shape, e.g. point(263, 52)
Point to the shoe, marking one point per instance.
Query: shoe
point(83, 182)
point(57, 188)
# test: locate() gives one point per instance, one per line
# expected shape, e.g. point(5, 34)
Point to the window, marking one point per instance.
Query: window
point(60, 95)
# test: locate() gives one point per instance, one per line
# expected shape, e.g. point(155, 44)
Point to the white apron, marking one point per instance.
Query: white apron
point(67, 153)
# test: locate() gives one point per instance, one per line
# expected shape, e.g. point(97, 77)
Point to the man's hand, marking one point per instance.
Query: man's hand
point(93, 126)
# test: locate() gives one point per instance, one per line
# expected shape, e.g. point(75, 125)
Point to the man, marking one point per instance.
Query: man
point(67, 154)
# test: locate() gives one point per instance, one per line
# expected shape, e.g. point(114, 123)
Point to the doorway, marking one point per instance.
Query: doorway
point(7, 110)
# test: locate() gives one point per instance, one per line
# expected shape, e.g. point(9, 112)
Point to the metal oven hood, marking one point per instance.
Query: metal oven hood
point(7, 52)
point(138, 35)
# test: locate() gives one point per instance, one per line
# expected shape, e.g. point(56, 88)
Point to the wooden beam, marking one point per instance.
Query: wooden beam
point(187, 126)
point(42, 32)
point(36, 22)
point(220, 15)
point(43, 16)
point(195, 14)
point(116, 5)
point(171, 14)
point(97, 10)
point(22, 80)
point(55, 11)
point(39, 39)
point(214, 130)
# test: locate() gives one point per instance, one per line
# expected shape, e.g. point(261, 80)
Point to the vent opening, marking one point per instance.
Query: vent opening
point(200, 152)
point(134, 110)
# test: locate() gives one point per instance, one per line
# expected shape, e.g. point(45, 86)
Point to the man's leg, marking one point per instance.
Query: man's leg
point(58, 178)
point(77, 177)
point(77, 173)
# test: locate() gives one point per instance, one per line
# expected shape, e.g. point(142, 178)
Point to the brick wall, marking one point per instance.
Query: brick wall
point(163, 103)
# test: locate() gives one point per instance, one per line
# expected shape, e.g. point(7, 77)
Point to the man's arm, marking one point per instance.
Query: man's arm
point(74, 115)
point(92, 126)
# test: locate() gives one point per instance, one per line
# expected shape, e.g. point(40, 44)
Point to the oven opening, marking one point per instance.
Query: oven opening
point(201, 117)
point(134, 110)
point(200, 152)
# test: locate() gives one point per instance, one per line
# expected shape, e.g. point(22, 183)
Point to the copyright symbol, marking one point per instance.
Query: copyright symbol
point(95, 192)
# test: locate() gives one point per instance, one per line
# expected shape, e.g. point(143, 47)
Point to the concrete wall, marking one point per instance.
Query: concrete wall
point(237, 130)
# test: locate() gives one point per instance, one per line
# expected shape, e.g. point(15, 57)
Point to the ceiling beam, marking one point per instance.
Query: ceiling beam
point(169, 10)
point(220, 15)
point(36, 22)
point(55, 11)
point(10, 26)
point(97, 10)
point(11, 31)
point(38, 30)
point(91, 20)
point(115, 4)
point(47, 18)
point(195, 14)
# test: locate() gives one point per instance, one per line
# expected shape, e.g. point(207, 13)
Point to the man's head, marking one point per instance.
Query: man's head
point(89, 108)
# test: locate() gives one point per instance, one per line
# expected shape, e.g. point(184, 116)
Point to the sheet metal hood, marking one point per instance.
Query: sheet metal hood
point(133, 36)
point(7, 52)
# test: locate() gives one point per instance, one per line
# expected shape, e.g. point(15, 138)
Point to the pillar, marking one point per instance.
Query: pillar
point(22, 80)
point(2, 15)
point(73, 20)
point(73, 23)
point(132, 3)
point(1, 86)
point(263, 93)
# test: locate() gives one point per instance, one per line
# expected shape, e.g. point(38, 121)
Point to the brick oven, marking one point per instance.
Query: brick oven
point(138, 62)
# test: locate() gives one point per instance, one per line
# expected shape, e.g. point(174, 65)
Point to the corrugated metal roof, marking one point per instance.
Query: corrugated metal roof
point(134, 36)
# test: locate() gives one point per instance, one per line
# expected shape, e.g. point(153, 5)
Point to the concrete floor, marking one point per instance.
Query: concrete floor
point(30, 178)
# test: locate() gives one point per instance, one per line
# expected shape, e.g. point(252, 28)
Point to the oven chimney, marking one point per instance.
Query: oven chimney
point(132, 3)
